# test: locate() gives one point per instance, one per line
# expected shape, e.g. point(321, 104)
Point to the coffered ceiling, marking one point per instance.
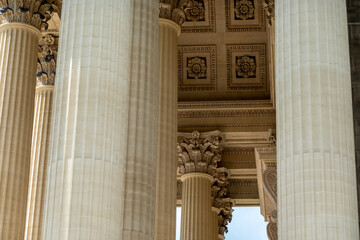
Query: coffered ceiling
point(223, 52)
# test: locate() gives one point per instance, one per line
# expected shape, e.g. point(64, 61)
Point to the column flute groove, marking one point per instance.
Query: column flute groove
point(85, 186)
point(141, 152)
point(316, 162)
point(41, 135)
point(20, 25)
point(165, 209)
point(198, 155)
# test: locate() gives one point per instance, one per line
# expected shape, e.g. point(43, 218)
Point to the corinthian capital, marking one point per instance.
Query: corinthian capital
point(168, 10)
point(46, 66)
point(270, 10)
point(219, 186)
point(199, 152)
point(32, 12)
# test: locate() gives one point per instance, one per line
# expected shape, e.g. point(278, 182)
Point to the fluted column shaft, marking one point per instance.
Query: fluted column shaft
point(165, 211)
point(140, 169)
point(315, 147)
point(18, 53)
point(215, 223)
point(39, 160)
point(196, 213)
point(84, 190)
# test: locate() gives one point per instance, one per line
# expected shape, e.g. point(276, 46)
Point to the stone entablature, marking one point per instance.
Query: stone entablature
point(32, 12)
point(46, 66)
point(199, 152)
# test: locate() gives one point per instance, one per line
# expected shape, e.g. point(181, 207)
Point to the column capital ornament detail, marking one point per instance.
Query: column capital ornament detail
point(198, 154)
point(270, 10)
point(46, 66)
point(220, 199)
point(32, 12)
point(168, 10)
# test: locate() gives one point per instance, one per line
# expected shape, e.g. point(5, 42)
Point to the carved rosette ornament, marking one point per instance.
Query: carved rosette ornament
point(198, 154)
point(46, 66)
point(32, 12)
point(220, 199)
point(168, 10)
point(270, 10)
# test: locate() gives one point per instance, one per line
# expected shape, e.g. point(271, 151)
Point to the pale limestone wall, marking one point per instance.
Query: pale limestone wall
point(316, 158)
point(18, 54)
point(84, 189)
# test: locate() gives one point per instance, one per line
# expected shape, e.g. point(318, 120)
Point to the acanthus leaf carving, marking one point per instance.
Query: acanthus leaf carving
point(32, 12)
point(169, 11)
point(197, 154)
point(220, 199)
point(269, 6)
point(46, 66)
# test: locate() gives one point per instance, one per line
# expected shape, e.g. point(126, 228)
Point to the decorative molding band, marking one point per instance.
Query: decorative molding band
point(225, 104)
point(227, 113)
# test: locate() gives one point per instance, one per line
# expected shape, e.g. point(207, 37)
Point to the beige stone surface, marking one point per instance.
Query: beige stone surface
point(141, 153)
point(215, 224)
point(196, 214)
point(18, 53)
point(165, 211)
point(315, 147)
point(84, 190)
point(39, 161)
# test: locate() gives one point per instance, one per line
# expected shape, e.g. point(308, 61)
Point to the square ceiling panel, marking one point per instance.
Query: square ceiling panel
point(244, 15)
point(197, 68)
point(246, 67)
point(199, 16)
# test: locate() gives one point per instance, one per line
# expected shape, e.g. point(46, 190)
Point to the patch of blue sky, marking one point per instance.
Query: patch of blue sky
point(247, 223)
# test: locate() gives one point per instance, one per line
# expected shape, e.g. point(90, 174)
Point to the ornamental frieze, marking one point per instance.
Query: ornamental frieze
point(197, 153)
point(32, 12)
point(46, 65)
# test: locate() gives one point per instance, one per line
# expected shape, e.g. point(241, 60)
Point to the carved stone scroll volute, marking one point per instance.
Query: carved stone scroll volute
point(270, 183)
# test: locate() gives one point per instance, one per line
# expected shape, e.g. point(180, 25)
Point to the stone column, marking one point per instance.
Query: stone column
point(141, 158)
point(41, 135)
point(315, 145)
point(215, 223)
point(165, 210)
point(20, 25)
point(84, 189)
point(197, 160)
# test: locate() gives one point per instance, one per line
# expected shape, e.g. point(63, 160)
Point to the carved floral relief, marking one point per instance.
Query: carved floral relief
point(244, 9)
point(245, 66)
point(196, 67)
